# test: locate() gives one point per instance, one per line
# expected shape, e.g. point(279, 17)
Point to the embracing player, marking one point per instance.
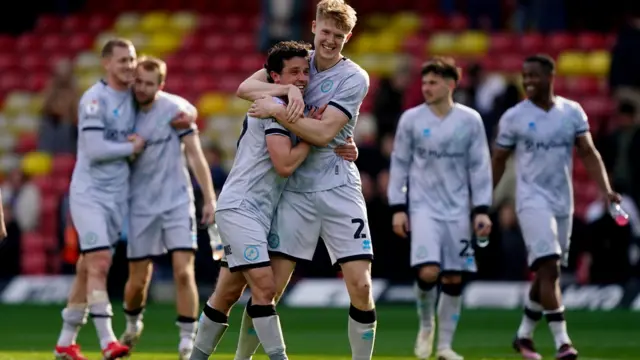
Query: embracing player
point(441, 154)
point(543, 131)
point(162, 214)
point(324, 197)
point(98, 197)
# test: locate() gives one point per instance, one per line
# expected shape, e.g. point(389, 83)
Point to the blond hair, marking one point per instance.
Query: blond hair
point(339, 11)
point(150, 63)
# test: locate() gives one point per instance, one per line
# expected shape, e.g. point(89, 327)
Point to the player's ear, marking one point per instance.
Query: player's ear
point(348, 37)
point(313, 27)
point(105, 62)
point(161, 86)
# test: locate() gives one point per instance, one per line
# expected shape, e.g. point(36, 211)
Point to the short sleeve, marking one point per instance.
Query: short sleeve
point(350, 94)
point(90, 114)
point(581, 121)
point(181, 105)
point(274, 128)
point(506, 133)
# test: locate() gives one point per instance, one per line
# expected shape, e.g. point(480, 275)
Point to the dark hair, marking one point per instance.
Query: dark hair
point(442, 66)
point(626, 108)
point(282, 51)
point(544, 60)
point(107, 49)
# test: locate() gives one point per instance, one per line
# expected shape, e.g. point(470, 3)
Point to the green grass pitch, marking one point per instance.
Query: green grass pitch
point(29, 333)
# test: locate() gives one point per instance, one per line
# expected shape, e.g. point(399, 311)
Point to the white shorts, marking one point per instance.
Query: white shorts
point(545, 235)
point(153, 235)
point(446, 243)
point(244, 239)
point(98, 223)
point(338, 216)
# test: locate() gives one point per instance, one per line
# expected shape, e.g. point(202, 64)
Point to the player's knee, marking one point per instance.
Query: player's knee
point(98, 263)
point(263, 286)
point(451, 278)
point(429, 274)
point(183, 276)
point(360, 289)
point(548, 270)
point(452, 289)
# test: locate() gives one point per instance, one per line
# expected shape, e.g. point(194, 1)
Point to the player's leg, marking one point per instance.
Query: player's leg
point(345, 231)
point(214, 320)
point(287, 245)
point(457, 258)
point(539, 230)
point(248, 341)
point(426, 250)
point(74, 316)
point(180, 238)
point(550, 295)
point(143, 243)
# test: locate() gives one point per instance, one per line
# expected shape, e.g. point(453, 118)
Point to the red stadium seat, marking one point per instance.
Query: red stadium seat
point(458, 22)
point(210, 22)
point(203, 83)
point(192, 43)
point(28, 43)
point(8, 62)
point(7, 43)
point(590, 41)
point(222, 64)
point(560, 85)
point(244, 43)
point(532, 43)
point(195, 63)
point(559, 42)
point(610, 40)
point(215, 43)
point(35, 62)
point(63, 165)
point(229, 83)
point(415, 45)
point(235, 23)
point(252, 63)
point(27, 142)
point(509, 63)
point(79, 42)
point(11, 81)
point(176, 83)
point(44, 185)
point(582, 85)
point(47, 24)
point(36, 81)
point(33, 262)
point(54, 42)
point(61, 184)
point(597, 106)
point(98, 23)
point(432, 22)
point(502, 43)
point(175, 63)
point(32, 242)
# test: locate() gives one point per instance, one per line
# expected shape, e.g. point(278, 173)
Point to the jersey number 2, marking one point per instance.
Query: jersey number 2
point(466, 244)
point(358, 234)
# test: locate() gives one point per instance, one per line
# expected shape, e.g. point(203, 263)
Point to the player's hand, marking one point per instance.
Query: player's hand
point(138, 143)
point(348, 151)
point(295, 107)
point(317, 113)
point(614, 197)
point(208, 213)
point(400, 224)
point(262, 108)
point(482, 225)
point(182, 121)
point(3, 231)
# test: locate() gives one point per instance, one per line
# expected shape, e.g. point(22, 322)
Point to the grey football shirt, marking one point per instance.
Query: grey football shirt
point(445, 163)
point(159, 179)
point(344, 87)
point(105, 120)
point(543, 142)
point(253, 184)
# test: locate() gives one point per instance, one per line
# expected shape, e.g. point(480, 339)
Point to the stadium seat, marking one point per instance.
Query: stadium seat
point(234, 23)
point(15, 102)
point(433, 22)
point(442, 43)
point(33, 262)
point(54, 42)
point(251, 63)
point(597, 106)
point(61, 185)
point(405, 23)
point(153, 21)
point(243, 44)
point(79, 42)
point(26, 143)
point(162, 43)
point(44, 185)
point(63, 165)
point(35, 62)
point(376, 21)
point(364, 42)
point(228, 84)
point(176, 83)
point(195, 63)
point(588, 41)
point(472, 43)
point(582, 85)
point(214, 43)
point(414, 45)
point(212, 104)
point(36, 163)
point(87, 61)
point(36, 81)
point(210, 22)
point(598, 63)
point(531, 43)
point(571, 63)
point(501, 43)
point(126, 23)
point(558, 42)
point(28, 42)
point(47, 24)
point(32, 242)
point(458, 22)
point(8, 62)
point(183, 21)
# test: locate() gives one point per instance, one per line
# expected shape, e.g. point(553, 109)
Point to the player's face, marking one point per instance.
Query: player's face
point(122, 64)
point(146, 86)
point(535, 80)
point(328, 40)
point(295, 72)
point(435, 88)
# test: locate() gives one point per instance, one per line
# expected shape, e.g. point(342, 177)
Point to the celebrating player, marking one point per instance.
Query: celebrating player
point(265, 158)
point(441, 153)
point(161, 215)
point(324, 197)
point(543, 131)
point(98, 197)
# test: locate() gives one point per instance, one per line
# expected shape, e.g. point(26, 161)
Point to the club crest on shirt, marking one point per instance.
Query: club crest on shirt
point(326, 86)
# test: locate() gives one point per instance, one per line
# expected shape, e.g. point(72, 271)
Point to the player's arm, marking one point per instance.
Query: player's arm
point(285, 157)
point(342, 107)
point(401, 158)
point(92, 133)
point(504, 145)
point(198, 162)
point(3, 227)
point(256, 86)
point(593, 162)
point(480, 170)
point(186, 114)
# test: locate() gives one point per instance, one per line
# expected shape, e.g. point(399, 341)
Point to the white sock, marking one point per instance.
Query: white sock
point(558, 326)
point(134, 320)
point(532, 314)
point(73, 317)
point(448, 317)
point(188, 327)
point(426, 304)
point(101, 314)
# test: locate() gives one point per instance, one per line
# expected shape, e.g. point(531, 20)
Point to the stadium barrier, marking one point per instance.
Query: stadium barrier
point(332, 293)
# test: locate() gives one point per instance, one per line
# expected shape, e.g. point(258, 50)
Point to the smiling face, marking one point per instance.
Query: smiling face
point(329, 39)
point(120, 64)
point(295, 71)
point(536, 80)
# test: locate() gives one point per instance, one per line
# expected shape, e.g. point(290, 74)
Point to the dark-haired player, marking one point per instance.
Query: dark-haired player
point(543, 130)
point(441, 154)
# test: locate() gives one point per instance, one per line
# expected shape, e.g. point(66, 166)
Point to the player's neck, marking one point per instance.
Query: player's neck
point(442, 109)
point(326, 64)
point(545, 102)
